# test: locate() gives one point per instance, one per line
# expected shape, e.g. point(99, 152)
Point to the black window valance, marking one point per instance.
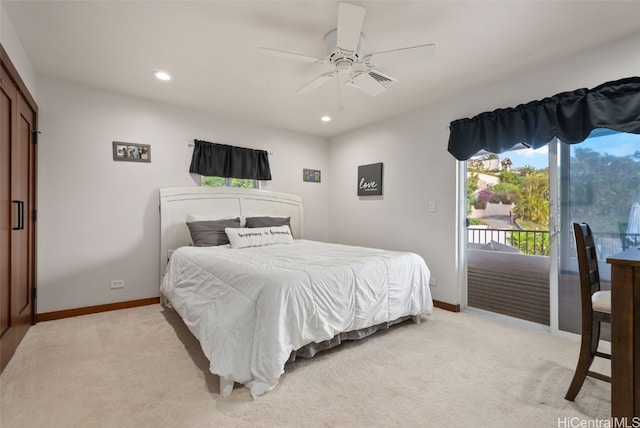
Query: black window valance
point(569, 116)
point(221, 160)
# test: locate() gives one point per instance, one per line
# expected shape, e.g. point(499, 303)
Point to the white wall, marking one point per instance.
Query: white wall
point(418, 167)
point(15, 50)
point(98, 219)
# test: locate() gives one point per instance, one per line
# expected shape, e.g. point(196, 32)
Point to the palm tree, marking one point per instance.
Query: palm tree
point(533, 198)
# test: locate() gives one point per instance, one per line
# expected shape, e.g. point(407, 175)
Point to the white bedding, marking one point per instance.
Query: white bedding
point(251, 307)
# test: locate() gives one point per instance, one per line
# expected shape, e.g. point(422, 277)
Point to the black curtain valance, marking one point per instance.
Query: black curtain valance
point(569, 116)
point(221, 160)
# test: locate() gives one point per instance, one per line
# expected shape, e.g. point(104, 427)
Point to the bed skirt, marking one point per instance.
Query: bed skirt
point(310, 350)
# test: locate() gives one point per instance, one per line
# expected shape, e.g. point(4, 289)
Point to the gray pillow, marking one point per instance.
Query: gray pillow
point(211, 233)
point(268, 221)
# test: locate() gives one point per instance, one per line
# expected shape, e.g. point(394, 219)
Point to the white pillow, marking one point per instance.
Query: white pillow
point(258, 236)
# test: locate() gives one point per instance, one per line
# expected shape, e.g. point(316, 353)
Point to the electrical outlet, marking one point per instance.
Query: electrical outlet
point(117, 283)
point(432, 282)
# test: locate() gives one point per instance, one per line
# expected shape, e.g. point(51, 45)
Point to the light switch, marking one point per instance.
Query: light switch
point(432, 206)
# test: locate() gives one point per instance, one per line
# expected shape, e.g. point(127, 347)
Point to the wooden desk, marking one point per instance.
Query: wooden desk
point(625, 334)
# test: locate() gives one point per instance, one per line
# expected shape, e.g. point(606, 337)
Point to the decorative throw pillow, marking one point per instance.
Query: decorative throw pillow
point(268, 221)
point(259, 236)
point(212, 232)
point(204, 217)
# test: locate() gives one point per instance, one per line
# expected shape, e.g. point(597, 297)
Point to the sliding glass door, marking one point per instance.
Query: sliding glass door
point(521, 257)
point(508, 238)
point(599, 185)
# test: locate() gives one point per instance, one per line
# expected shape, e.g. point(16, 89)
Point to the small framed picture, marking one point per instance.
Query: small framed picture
point(131, 152)
point(370, 179)
point(312, 175)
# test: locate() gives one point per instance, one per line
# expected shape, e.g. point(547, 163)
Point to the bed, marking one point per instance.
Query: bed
point(254, 306)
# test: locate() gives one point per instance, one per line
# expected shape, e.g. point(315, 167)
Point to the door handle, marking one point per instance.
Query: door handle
point(20, 215)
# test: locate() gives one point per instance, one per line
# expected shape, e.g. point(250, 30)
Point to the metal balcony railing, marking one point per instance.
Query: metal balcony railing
point(536, 242)
point(608, 244)
point(533, 242)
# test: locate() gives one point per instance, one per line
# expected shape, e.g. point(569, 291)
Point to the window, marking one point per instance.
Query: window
point(508, 237)
point(221, 165)
point(246, 183)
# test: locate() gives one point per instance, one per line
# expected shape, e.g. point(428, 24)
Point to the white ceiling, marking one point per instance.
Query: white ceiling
point(210, 48)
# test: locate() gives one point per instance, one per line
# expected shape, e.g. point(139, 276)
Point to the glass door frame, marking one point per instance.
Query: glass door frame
point(557, 160)
point(555, 230)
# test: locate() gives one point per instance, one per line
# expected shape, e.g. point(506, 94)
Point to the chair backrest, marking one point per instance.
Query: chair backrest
point(587, 263)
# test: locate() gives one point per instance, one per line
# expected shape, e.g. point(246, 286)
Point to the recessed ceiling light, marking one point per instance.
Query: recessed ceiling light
point(162, 75)
point(325, 118)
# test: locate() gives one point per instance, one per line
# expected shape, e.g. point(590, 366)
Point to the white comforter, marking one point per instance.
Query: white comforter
point(251, 307)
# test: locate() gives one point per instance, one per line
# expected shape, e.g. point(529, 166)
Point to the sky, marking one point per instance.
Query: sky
point(535, 158)
point(616, 144)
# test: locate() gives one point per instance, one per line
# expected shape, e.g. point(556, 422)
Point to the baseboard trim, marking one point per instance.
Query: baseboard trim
point(446, 306)
point(67, 313)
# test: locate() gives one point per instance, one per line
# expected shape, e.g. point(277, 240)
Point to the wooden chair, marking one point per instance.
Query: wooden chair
point(596, 309)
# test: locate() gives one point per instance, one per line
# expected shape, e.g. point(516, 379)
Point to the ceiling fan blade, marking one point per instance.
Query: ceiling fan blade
point(350, 20)
point(315, 83)
point(399, 56)
point(368, 84)
point(291, 55)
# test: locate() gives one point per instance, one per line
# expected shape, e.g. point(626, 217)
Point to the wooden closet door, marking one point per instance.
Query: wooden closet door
point(7, 94)
point(17, 226)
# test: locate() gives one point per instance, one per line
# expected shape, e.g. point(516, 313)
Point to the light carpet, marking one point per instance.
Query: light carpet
point(141, 367)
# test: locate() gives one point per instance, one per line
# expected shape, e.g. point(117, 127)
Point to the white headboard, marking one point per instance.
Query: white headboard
point(178, 202)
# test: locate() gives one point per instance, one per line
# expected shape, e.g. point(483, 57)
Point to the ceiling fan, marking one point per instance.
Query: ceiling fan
point(344, 46)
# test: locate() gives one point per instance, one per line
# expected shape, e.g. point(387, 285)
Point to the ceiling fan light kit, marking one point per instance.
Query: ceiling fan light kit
point(344, 45)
